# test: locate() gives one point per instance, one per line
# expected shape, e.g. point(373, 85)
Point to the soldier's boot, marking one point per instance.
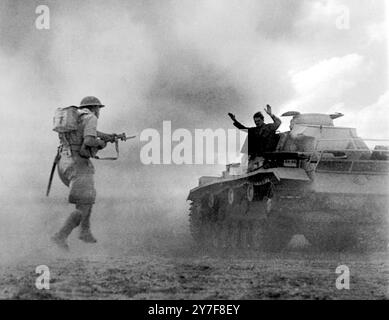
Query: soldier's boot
point(71, 222)
point(85, 231)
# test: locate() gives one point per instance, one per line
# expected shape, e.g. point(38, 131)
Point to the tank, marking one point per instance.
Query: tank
point(322, 181)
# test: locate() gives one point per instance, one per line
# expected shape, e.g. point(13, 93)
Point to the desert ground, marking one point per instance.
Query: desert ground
point(151, 276)
point(155, 258)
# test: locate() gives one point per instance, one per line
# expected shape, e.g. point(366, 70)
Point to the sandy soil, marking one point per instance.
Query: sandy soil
point(152, 257)
point(187, 275)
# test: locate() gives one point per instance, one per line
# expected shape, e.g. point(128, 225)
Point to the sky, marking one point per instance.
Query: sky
point(187, 61)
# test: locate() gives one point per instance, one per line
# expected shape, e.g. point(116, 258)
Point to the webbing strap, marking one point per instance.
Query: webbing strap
point(111, 158)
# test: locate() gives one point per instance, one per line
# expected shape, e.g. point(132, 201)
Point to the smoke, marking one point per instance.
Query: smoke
point(187, 61)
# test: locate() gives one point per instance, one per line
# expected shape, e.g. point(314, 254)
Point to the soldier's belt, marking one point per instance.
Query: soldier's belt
point(72, 147)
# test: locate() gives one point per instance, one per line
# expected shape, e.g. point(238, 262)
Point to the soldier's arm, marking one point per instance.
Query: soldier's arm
point(276, 120)
point(91, 138)
point(94, 142)
point(236, 123)
point(107, 137)
point(240, 126)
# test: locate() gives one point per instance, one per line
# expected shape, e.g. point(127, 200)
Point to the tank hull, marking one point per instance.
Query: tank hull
point(264, 209)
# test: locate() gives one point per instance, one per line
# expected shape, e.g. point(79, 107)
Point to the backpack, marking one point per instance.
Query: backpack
point(66, 119)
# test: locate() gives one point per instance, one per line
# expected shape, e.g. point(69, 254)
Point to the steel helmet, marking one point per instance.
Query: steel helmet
point(91, 101)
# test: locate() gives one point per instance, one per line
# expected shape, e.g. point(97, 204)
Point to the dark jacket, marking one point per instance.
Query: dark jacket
point(261, 139)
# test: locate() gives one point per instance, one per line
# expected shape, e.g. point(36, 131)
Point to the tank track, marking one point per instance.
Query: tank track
point(219, 223)
point(246, 222)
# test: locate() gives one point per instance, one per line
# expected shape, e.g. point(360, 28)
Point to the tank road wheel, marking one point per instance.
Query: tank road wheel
point(230, 196)
point(268, 204)
point(250, 192)
point(211, 201)
point(259, 193)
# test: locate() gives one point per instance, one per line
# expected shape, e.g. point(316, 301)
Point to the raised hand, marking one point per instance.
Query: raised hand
point(268, 110)
point(232, 116)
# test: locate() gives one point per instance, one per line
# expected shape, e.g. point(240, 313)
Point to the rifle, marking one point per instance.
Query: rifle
point(112, 138)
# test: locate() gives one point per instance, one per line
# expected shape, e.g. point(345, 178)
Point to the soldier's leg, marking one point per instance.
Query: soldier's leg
point(79, 177)
point(85, 231)
point(71, 222)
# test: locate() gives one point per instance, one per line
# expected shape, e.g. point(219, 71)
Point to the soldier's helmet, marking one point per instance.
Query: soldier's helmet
point(91, 101)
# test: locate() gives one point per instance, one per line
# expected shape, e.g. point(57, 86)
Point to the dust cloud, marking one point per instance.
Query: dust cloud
point(190, 62)
point(147, 63)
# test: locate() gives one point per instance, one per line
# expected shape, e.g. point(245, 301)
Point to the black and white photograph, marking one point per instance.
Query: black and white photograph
point(212, 152)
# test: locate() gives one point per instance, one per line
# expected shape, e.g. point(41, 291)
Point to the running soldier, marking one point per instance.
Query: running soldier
point(77, 171)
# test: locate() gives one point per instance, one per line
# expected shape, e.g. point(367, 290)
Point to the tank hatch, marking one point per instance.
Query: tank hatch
point(312, 118)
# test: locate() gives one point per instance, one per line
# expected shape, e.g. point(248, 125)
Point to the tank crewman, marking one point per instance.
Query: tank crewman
point(76, 171)
point(261, 138)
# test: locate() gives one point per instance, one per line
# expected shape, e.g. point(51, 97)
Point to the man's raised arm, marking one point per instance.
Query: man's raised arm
point(236, 123)
point(276, 120)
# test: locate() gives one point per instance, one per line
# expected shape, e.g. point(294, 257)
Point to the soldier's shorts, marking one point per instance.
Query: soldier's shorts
point(77, 173)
